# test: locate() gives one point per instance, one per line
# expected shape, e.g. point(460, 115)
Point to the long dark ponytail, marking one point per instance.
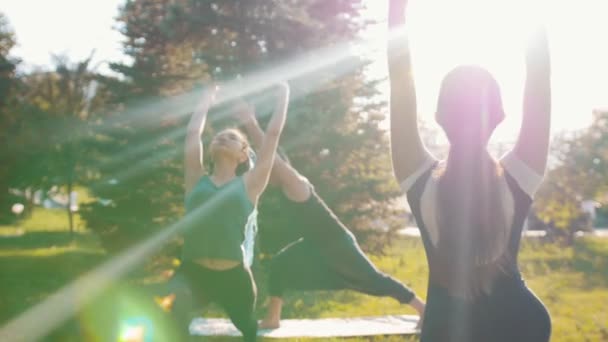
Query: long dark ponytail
point(473, 229)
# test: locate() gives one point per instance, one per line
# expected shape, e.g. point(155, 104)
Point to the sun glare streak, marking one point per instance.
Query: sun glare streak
point(428, 41)
point(493, 34)
point(42, 318)
point(326, 64)
point(470, 32)
point(316, 75)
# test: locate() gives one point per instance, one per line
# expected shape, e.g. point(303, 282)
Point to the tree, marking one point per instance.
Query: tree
point(332, 137)
point(580, 174)
point(56, 106)
point(8, 119)
point(7, 64)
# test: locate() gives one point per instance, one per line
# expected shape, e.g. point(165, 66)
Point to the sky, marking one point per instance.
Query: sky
point(71, 27)
point(577, 34)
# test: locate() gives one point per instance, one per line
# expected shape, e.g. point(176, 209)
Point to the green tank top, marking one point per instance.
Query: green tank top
point(221, 222)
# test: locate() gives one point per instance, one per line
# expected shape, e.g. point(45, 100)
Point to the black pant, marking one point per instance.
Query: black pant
point(233, 289)
point(510, 313)
point(304, 265)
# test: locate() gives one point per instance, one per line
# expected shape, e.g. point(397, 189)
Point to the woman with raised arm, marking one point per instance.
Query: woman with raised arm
point(327, 257)
point(471, 208)
point(220, 207)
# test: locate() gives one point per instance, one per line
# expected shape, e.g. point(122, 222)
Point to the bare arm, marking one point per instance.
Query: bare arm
point(295, 186)
point(246, 118)
point(533, 143)
point(407, 149)
point(257, 179)
point(193, 151)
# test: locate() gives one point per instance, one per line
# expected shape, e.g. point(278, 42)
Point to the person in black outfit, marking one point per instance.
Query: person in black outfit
point(327, 256)
point(471, 208)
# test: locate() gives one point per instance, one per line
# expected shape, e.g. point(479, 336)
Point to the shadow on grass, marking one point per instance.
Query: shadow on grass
point(128, 301)
point(32, 278)
point(27, 280)
point(36, 264)
point(587, 256)
point(42, 239)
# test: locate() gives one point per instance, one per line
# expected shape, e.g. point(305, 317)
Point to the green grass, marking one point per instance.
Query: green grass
point(573, 283)
point(39, 256)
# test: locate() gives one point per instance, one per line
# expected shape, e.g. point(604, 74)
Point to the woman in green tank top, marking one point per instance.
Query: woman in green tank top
point(220, 207)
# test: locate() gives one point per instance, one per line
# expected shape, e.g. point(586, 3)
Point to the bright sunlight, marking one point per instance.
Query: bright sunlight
point(492, 33)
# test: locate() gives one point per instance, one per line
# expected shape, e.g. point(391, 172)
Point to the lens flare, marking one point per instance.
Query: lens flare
point(136, 329)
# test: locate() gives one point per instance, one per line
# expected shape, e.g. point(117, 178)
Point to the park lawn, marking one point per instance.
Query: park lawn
point(39, 256)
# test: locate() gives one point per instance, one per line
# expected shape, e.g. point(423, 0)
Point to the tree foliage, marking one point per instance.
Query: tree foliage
point(332, 136)
point(580, 174)
point(47, 126)
point(9, 120)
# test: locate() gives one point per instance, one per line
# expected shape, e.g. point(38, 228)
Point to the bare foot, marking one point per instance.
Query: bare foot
point(421, 319)
point(269, 324)
point(272, 320)
point(419, 306)
point(420, 322)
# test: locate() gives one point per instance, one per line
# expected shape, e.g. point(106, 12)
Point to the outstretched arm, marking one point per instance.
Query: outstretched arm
point(193, 151)
point(245, 115)
point(257, 179)
point(533, 143)
point(407, 150)
point(295, 186)
point(280, 169)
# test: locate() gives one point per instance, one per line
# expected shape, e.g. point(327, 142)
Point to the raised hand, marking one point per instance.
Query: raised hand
point(257, 179)
point(208, 98)
point(283, 86)
point(407, 149)
point(193, 150)
point(537, 49)
point(283, 92)
point(396, 12)
point(243, 112)
point(533, 143)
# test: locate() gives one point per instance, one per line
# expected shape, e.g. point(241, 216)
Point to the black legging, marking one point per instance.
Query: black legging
point(234, 290)
point(303, 266)
point(511, 313)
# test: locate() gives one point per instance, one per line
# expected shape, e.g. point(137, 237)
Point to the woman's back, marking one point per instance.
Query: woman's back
point(482, 316)
point(470, 224)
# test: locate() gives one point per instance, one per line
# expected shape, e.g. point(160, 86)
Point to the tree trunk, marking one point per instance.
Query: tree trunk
point(70, 186)
point(69, 207)
point(5, 205)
